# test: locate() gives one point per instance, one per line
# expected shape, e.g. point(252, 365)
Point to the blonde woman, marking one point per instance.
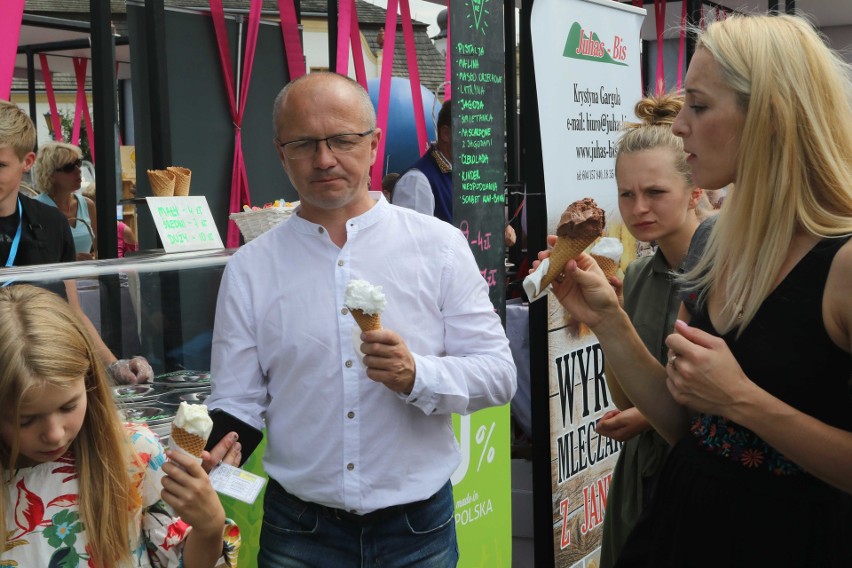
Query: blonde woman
point(58, 175)
point(79, 488)
point(755, 395)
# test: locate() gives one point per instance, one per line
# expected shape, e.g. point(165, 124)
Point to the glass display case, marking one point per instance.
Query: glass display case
point(157, 305)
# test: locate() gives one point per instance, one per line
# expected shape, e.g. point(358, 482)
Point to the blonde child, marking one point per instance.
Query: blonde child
point(80, 487)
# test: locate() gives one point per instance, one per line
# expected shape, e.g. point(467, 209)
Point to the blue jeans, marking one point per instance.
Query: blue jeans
point(298, 534)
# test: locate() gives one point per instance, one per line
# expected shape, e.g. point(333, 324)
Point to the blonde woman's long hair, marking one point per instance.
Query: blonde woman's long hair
point(794, 168)
point(43, 342)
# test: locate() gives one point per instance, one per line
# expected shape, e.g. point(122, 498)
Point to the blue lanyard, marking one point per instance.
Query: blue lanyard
point(13, 252)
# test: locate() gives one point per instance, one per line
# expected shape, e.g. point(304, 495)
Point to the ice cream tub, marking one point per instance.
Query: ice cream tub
point(175, 397)
point(157, 418)
point(137, 395)
point(183, 379)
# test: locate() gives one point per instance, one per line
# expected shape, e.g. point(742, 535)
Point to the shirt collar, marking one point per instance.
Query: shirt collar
point(366, 219)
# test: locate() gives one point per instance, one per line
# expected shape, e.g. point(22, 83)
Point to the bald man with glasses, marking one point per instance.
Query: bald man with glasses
point(360, 442)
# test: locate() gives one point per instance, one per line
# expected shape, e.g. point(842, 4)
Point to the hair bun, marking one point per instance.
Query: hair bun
point(659, 110)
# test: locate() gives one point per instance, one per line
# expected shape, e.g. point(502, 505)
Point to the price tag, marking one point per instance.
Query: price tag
point(184, 223)
point(237, 483)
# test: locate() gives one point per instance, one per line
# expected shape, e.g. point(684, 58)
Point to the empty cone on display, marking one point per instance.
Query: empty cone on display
point(162, 182)
point(183, 176)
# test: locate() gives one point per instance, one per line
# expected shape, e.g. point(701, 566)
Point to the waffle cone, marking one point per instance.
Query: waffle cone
point(608, 265)
point(190, 443)
point(367, 322)
point(182, 178)
point(564, 250)
point(162, 182)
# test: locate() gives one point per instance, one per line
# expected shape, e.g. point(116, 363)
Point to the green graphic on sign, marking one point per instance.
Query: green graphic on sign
point(477, 9)
point(582, 44)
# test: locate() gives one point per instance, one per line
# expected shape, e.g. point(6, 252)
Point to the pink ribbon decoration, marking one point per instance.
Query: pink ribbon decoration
point(11, 16)
point(414, 76)
point(660, 13)
point(239, 179)
point(385, 84)
point(681, 47)
point(82, 110)
point(349, 35)
point(377, 170)
point(55, 119)
point(344, 23)
point(448, 65)
point(292, 42)
point(357, 52)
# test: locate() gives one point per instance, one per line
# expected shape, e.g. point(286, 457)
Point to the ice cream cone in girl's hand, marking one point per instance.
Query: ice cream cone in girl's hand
point(191, 428)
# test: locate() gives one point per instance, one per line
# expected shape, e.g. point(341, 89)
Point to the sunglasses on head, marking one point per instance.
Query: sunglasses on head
point(68, 168)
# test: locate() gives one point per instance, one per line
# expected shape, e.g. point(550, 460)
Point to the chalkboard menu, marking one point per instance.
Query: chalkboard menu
point(478, 117)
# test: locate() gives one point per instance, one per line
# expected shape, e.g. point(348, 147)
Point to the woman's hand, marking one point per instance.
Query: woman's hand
point(622, 425)
point(584, 290)
point(703, 373)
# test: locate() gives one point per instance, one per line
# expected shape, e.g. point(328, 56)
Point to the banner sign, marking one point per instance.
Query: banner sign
point(588, 79)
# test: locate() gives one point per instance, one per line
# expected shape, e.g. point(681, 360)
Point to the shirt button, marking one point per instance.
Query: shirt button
point(413, 400)
point(348, 364)
point(344, 311)
point(321, 230)
point(340, 263)
point(350, 414)
point(350, 466)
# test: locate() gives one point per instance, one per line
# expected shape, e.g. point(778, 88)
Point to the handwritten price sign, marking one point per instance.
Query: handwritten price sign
point(184, 223)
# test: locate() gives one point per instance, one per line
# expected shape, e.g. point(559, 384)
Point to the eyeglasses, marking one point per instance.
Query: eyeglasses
point(307, 147)
point(68, 168)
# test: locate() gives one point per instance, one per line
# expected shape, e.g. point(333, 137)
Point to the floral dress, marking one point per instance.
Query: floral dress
point(44, 527)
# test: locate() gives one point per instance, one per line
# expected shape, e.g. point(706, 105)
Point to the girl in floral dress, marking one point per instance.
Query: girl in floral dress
point(80, 488)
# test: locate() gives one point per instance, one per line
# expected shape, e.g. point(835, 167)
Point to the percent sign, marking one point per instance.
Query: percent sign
point(483, 440)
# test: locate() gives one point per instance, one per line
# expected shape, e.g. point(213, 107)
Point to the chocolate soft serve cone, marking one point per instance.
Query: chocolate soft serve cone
point(581, 223)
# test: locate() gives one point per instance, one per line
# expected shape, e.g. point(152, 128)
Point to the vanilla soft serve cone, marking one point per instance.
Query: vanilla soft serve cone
point(191, 428)
point(607, 253)
point(366, 304)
